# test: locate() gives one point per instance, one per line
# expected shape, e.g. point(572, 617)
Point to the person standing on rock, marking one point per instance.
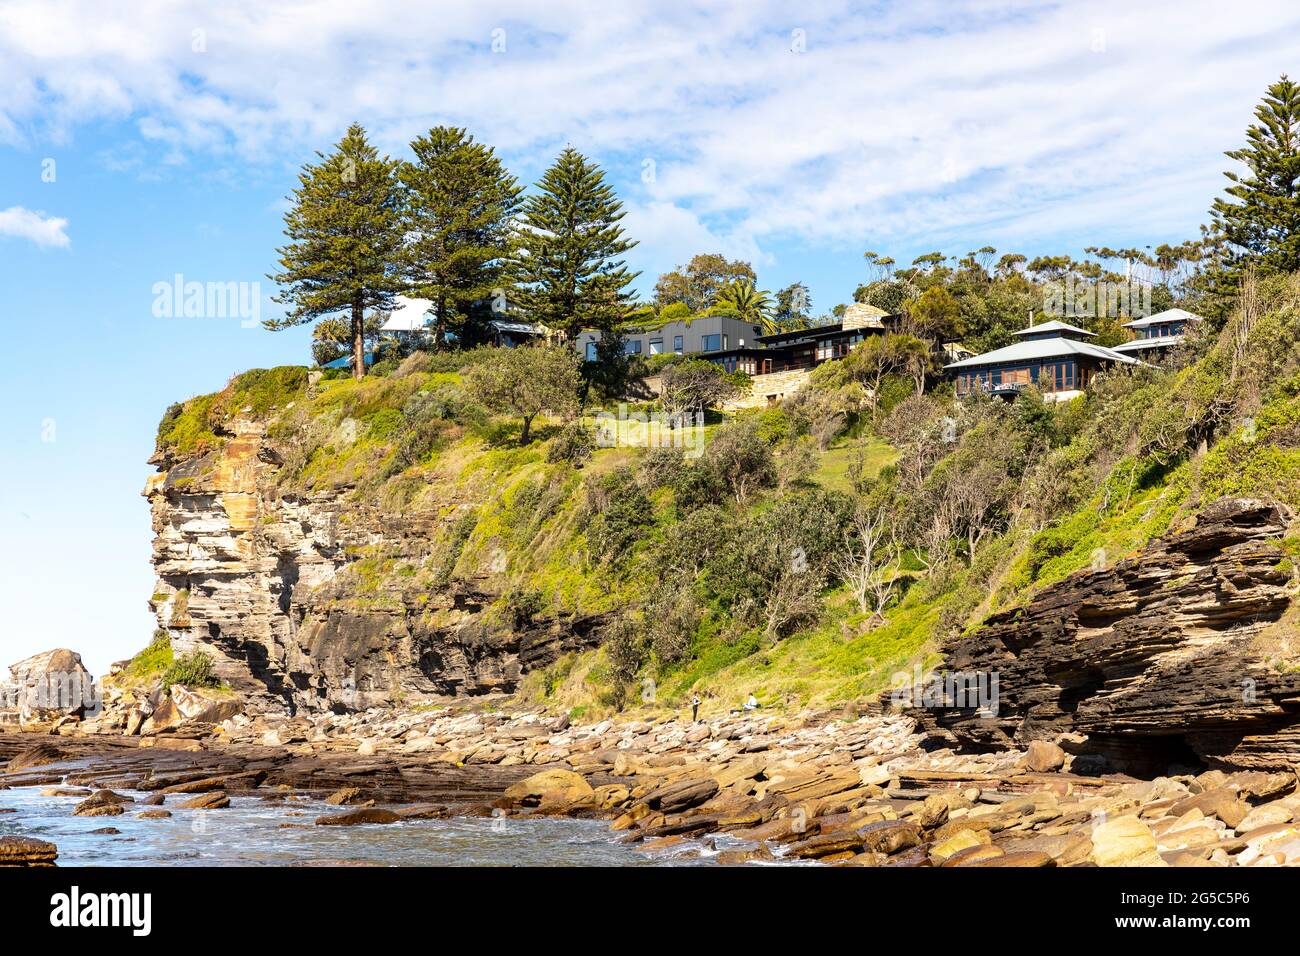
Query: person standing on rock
point(695, 709)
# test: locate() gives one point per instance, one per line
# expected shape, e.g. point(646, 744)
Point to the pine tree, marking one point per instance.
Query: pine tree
point(460, 208)
point(344, 239)
point(570, 272)
point(1263, 224)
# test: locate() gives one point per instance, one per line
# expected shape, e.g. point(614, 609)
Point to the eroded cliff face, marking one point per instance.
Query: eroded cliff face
point(257, 578)
point(1181, 654)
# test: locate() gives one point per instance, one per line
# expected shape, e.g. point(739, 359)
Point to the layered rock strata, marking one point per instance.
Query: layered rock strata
point(1181, 654)
point(250, 574)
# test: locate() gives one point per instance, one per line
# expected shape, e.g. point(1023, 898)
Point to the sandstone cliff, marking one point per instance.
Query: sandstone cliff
point(1177, 655)
point(258, 577)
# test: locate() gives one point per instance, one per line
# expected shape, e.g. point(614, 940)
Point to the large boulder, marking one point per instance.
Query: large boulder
point(48, 685)
point(1044, 757)
point(166, 716)
point(26, 851)
point(1124, 841)
point(213, 800)
point(204, 706)
point(551, 787)
point(358, 817)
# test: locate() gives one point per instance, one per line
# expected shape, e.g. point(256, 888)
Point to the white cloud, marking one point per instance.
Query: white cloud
point(41, 229)
point(907, 121)
point(667, 233)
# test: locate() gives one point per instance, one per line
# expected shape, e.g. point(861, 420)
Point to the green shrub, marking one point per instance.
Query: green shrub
point(522, 606)
point(626, 647)
point(384, 424)
point(774, 425)
point(696, 485)
point(617, 512)
point(154, 659)
point(574, 444)
point(675, 312)
point(742, 459)
point(192, 670)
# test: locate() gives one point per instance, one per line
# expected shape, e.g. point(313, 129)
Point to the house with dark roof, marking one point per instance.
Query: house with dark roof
point(737, 345)
point(704, 336)
point(1156, 334)
point(805, 348)
point(1053, 356)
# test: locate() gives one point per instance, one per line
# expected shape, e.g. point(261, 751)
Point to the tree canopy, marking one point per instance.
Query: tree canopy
point(460, 202)
point(527, 381)
point(344, 240)
point(570, 267)
point(1260, 220)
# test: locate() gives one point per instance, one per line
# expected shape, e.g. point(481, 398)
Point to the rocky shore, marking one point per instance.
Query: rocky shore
point(824, 787)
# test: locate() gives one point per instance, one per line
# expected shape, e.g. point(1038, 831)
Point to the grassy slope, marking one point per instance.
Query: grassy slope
point(504, 501)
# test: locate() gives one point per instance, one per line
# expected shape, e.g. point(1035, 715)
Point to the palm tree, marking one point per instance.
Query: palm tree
point(750, 304)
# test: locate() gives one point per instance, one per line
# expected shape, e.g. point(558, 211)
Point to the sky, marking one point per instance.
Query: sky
point(151, 144)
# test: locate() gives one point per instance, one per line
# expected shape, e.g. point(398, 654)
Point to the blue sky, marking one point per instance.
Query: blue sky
point(797, 140)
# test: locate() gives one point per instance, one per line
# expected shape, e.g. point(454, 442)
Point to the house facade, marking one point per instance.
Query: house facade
point(1053, 356)
point(1156, 334)
point(804, 349)
point(737, 345)
point(702, 336)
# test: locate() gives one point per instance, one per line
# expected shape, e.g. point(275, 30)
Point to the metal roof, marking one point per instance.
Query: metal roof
point(1053, 326)
point(1168, 315)
point(346, 361)
point(1042, 349)
point(524, 328)
point(1155, 342)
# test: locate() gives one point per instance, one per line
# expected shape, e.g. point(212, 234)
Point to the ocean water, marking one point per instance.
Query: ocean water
point(250, 833)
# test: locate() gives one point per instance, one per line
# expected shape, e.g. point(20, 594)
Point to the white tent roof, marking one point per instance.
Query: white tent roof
point(1043, 349)
point(1168, 315)
point(410, 315)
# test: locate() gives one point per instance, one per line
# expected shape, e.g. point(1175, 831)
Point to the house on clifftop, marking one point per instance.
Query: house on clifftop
point(1053, 356)
point(1156, 334)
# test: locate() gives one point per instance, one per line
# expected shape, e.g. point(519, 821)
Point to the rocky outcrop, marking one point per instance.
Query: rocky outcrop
point(825, 787)
point(23, 851)
point(46, 687)
point(252, 574)
point(1177, 655)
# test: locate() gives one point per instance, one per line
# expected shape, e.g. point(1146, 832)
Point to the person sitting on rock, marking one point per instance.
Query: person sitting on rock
point(752, 703)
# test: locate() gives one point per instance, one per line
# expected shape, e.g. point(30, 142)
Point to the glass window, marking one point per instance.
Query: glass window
point(712, 343)
point(591, 351)
point(677, 344)
point(656, 346)
point(632, 347)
